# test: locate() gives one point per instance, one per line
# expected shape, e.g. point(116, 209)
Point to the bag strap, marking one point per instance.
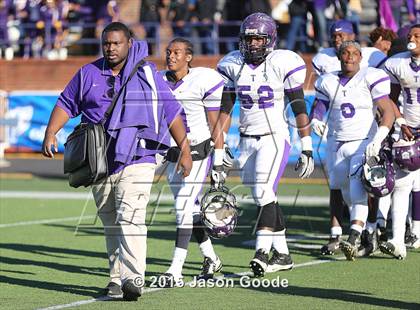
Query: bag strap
point(114, 100)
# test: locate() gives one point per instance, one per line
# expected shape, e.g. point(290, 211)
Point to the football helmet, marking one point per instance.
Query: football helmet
point(407, 154)
point(257, 25)
point(378, 175)
point(219, 212)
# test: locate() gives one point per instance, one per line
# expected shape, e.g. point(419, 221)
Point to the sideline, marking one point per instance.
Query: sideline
point(151, 290)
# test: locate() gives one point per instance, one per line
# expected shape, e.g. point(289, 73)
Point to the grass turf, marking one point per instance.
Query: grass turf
point(50, 264)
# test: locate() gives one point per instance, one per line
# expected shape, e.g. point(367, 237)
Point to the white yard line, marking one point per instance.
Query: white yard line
point(48, 221)
point(301, 200)
point(151, 290)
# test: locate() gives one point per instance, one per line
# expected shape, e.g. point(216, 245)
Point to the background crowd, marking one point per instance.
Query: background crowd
point(56, 28)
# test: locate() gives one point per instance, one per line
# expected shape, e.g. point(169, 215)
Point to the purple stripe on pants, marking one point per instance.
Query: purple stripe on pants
point(283, 164)
point(415, 206)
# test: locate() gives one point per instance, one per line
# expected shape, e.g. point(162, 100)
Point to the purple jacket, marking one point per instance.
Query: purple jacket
point(138, 127)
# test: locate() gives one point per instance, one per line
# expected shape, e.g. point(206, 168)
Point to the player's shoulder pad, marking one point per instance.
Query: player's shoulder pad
point(396, 59)
point(373, 74)
point(233, 58)
point(284, 57)
point(326, 53)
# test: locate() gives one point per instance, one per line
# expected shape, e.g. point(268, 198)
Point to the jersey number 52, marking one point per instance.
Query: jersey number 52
point(265, 100)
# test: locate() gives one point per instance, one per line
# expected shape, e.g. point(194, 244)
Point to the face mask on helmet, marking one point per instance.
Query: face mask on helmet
point(378, 175)
point(219, 212)
point(407, 154)
point(260, 26)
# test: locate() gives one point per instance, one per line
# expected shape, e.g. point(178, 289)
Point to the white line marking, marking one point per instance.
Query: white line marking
point(151, 290)
point(302, 200)
point(48, 221)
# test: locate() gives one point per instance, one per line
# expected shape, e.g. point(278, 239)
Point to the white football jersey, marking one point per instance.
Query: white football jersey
point(351, 102)
point(326, 61)
point(402, 70)
point(198, 92)
point(260, 89)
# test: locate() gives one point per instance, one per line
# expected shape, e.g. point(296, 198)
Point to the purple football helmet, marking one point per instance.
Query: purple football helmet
point(378, 175)
point(219, 212)
point(257, 25)
point(407, 154)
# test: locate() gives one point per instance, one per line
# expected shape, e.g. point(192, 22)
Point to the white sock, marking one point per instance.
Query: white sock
point(356, 227)
point(178, 261)
point(370, 227)
point(359, 212)
point(264, 240)
point(400, 204)
point(279, 242)
point(383, 210)
point(416, 228)
point(336, 231)
point(207, 250)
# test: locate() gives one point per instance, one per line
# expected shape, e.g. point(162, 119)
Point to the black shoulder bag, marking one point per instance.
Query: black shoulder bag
point(85, 158)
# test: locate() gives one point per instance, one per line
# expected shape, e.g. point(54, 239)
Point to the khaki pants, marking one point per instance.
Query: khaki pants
point(121, 200)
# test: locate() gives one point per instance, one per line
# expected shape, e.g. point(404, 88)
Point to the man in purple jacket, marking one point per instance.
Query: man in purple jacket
point(137, 130)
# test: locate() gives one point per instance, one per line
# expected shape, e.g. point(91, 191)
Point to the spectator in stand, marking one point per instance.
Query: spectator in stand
point(30, 17)
point(317, 8)
point(297, 31)
point(232, 11)
point(6, 14)
point(382, 38)
point(354, 8)
point(179, 14)
point(204, 12)
point(413, 7)
point(396, 6)
point(149, 18)
point(53, 24)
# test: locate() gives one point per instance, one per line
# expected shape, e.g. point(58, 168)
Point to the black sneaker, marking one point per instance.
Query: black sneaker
point(169, 280)
point(113, 290)
point(259, 263)
point(382, 234)
point(390, 248)
point(332, 246)
point(368, 244)
point(131, 292)
point(279, 261)
point(209, 268)
point(407, 235)
point(351, 246)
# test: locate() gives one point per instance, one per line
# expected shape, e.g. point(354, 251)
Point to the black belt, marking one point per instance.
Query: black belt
point(243, 135)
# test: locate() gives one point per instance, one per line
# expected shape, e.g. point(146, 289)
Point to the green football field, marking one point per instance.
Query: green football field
point(52, 253)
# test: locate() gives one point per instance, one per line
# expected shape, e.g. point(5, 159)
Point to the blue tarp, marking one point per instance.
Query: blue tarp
point(33, 110)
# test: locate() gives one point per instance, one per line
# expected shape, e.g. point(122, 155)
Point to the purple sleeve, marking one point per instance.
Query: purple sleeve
point(318, 109)
point(69, 99)
point(171, 106)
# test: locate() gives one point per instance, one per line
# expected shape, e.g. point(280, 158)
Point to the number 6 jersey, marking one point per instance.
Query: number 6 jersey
point(351, 101)
point(260, 89)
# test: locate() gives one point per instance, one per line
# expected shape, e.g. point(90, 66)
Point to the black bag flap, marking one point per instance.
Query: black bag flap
point(75, 151)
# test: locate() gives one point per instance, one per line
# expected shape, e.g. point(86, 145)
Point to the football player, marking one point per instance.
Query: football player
point(326, 61)
point(260, 78)
point(352, 96)
point(404, 72)
point(199, 90)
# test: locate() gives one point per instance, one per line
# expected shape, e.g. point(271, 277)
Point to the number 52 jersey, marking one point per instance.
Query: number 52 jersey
point(260, 89)
point(351, 101)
